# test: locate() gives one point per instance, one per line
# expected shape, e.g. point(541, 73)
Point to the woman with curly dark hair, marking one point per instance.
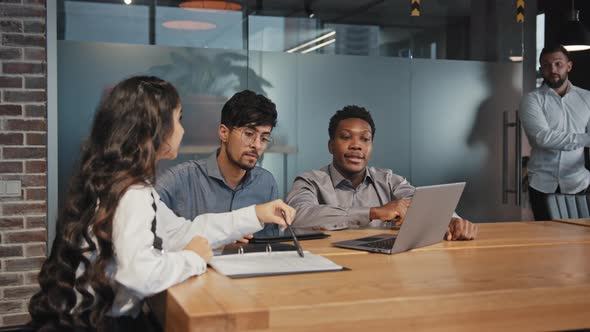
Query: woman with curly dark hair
point(116, 242)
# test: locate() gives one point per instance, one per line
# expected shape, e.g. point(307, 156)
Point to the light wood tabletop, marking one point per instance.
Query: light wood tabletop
point(510, 282)
point(514, 288)
point(580, 222)
point(505, 234)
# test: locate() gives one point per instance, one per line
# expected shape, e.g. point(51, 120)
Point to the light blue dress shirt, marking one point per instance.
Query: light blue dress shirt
point(557, 131)
point(196, 187)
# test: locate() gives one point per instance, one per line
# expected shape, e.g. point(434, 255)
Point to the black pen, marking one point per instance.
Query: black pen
point(299, 250)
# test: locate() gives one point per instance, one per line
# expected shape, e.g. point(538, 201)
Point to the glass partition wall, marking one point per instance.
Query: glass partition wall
point(437, 84)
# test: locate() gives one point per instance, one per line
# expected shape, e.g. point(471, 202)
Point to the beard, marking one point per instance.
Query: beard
point(556, 84)
point(237, 162)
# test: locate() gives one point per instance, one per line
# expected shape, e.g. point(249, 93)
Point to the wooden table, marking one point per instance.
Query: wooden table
point(581, 222)
point(506, 234)
point(530, 276)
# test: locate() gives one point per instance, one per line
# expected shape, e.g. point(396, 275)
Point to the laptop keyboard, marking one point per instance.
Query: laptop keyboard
point(382, 244)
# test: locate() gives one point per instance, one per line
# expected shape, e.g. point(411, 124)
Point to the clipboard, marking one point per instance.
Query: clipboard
point(246, 248)
point(271, 263)
point(302, 234)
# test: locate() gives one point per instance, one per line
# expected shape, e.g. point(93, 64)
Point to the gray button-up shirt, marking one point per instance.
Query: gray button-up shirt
point(556, 129)
point(326, 199)
point(197, 187)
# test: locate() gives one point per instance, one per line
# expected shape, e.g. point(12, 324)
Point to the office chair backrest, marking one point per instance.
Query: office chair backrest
point(563, 206)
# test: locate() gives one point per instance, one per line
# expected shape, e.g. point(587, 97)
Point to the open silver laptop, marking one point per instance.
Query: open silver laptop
point(426, 222)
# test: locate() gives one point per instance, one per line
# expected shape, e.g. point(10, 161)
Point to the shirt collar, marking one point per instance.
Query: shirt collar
point(213, 167)
point(546, 89)
point(214, 172)
point(337, 178)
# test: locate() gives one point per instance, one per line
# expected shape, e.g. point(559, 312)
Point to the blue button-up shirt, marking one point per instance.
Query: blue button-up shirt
point(557, 131)
point(197, 187)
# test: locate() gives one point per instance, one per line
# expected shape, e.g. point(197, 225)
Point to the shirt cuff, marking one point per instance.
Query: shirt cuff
point(585, 139)
point(361, 215)
point(356, 216)
point(249, 221)
point(196, 265)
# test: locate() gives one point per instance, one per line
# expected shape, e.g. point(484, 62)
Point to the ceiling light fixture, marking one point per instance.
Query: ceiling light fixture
point(575, 36)
point(189, 25)
point(198, 5)
point(311, 42)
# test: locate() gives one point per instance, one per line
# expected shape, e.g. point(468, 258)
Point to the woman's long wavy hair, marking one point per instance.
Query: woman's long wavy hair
point(131, 125)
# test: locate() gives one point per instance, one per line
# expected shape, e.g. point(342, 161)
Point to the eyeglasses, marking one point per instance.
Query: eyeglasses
point(249, 136)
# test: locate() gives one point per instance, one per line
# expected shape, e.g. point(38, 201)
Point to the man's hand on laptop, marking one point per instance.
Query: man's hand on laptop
point(392, 211)
point(461, 229)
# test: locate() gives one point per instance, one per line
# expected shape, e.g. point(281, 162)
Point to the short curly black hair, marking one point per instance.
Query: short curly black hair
point(246, 108)
point(348, 112)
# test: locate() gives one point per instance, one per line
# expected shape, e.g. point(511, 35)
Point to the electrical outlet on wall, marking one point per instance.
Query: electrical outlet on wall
point(10, 188)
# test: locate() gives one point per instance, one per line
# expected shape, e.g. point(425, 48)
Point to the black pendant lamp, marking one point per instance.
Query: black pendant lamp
point(575, 37)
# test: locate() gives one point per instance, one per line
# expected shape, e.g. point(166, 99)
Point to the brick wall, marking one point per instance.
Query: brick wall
point(23, 124)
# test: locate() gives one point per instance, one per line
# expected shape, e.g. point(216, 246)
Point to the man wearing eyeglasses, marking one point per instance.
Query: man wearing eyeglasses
point(229, 179)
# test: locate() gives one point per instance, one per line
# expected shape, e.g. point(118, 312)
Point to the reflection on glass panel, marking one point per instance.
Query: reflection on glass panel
point(311, 58)
point(104, 22)
point(205, 78)
point(309, 89)
point(327, 84)
point(152, 22)
point(266, 33)
point(540, 43)
point(356, 39)
point(280, 71)
point(457, 109)
point(287, 34)
point(508, 33)
point(483, 30)
point(302, 35)
point(195, 27)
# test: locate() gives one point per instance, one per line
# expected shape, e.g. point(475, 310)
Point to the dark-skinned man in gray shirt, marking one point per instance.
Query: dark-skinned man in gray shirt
point(348, 193)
